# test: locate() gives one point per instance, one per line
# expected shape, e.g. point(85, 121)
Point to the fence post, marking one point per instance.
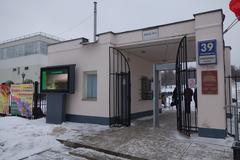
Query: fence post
point(35, 95)
point(236, 123)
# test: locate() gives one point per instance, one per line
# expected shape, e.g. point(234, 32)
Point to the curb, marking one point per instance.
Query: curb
point(77, 145)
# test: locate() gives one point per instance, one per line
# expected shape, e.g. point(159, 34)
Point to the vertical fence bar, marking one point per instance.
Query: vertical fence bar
point(230, 89)
point(236, 113)
point(155, 97)
point(236, 123)
point(236, 90)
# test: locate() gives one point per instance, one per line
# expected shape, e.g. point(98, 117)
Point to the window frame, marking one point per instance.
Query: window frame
point(85, 86)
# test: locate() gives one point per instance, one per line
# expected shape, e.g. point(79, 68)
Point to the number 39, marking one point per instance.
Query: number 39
point(207, 47)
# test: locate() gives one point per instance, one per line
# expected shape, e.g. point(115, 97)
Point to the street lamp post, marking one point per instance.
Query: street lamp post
point(23, 76)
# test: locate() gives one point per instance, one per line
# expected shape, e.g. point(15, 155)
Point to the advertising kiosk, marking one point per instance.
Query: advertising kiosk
point(56, 82)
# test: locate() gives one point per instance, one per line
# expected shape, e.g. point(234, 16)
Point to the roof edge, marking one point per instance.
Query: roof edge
point(211, 11)
point(151, 27)
point(45, 35)
point(75, 39)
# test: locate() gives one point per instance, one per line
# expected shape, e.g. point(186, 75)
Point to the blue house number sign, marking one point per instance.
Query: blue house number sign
point(207, 52)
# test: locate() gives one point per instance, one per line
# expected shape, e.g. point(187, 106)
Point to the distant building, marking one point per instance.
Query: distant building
point(24, 56)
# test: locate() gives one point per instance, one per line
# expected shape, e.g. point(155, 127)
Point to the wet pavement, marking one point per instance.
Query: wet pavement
point(165, 142)
point(143, 141)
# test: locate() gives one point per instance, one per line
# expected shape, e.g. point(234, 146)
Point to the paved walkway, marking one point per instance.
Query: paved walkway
point(143, 141)
point(165, 142)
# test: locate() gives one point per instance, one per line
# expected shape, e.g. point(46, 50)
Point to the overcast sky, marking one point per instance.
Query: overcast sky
point(74, 18)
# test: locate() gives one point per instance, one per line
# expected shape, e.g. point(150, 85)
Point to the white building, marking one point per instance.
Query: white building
point(103, 67)
point(24, 55)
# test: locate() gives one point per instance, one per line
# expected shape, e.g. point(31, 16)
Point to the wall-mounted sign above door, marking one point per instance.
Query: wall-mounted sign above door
point(207, 52)
point(150, 34)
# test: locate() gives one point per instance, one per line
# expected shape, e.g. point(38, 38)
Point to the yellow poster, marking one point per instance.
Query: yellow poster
point(22, 99)
point(4, 99)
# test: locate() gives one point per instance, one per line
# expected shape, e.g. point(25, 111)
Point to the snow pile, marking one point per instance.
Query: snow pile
point(20, 137)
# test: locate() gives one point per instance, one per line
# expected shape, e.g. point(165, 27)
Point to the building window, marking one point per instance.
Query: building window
point(146, 91)
point(30, 48)
point(90, 85)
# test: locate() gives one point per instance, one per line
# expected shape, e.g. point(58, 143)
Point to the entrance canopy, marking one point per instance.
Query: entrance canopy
point(161, 51)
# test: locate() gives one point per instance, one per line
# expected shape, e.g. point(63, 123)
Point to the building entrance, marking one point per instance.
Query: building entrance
point(185, 93)
point(146, 61)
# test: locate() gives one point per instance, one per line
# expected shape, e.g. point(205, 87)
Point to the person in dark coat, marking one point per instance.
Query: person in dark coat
point(188, 93)
point(195, 98)
point(174, 97)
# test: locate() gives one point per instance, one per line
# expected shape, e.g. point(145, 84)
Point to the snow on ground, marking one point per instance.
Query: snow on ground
point(21, 137)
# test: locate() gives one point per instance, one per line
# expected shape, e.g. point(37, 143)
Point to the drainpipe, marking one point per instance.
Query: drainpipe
point(95, 22)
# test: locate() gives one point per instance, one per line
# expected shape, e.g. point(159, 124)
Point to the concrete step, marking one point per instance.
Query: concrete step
point(95, 153)
point(51, 155)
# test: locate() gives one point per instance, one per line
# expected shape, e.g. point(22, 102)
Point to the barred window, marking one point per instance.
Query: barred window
point(146, 91)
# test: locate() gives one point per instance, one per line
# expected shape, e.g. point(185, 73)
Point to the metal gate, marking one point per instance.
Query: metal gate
point(119, 89)
point(232, 107)
point(186, 115)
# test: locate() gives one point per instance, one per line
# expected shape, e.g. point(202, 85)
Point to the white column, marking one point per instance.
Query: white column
point(211, 113)
point(228, 82)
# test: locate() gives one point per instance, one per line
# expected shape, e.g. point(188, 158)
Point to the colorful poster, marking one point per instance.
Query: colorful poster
point(4, 99)
point(22, 99)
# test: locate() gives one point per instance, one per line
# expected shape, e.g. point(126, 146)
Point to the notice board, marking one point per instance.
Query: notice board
point(209, 82)
point(22, 99)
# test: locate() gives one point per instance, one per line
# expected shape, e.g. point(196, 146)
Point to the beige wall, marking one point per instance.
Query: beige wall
point(165, 32)
point(139, 67)
point(91, 57)
point(211, 113)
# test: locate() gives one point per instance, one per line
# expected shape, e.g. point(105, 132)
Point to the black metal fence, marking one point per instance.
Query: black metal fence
point(232, 120)
point(39, 102)
point(232, 108)
point(119, 89)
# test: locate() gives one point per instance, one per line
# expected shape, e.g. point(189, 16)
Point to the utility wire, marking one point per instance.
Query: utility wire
point(231, 25)
point(77, 25)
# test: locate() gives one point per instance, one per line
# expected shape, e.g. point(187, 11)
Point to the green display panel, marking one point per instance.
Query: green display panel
point(54, 79)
